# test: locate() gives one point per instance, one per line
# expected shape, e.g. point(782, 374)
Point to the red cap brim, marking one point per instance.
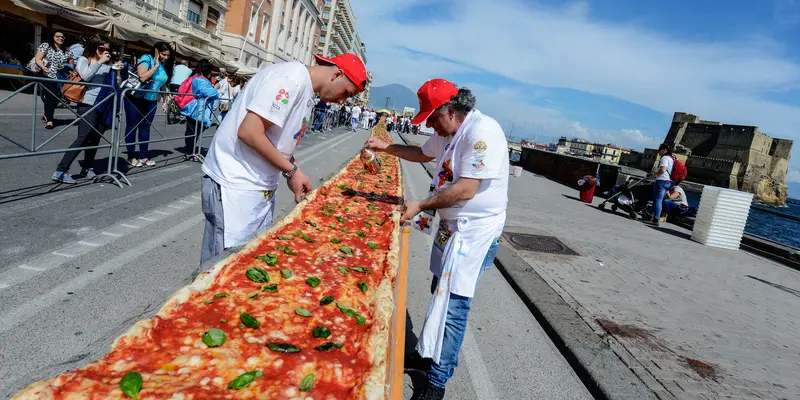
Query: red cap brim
point(328, 61)
point(421, 117)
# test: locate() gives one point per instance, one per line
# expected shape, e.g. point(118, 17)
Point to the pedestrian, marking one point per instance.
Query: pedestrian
point(180, 73)
point(93, 68)
point(153, 70)
point(50, 58)
point(253, 148)
point(225, 95)
point(371, 118)
point(199, 107)
point(470, 193)
point(675, 201)
point(355, 114)
point(320, 109)
point(365, 119)
point(663, 181)
point(77, 48)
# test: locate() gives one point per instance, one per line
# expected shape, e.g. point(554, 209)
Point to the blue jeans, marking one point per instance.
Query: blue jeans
point(456, 326)
point(139, 115)
point(660, 189)
point(319, 118)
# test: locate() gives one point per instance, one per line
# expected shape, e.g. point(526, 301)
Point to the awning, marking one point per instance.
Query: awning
point(131, 33)
point(245, 71)
point(191, 51)
point(92, 19)
point(229, 66)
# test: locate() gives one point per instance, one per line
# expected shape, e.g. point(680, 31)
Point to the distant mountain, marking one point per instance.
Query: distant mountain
point(794, 189)
point(400, 96)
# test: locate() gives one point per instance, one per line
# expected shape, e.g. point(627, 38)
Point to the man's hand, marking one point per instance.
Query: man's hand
point(411, 209)
point(377, 144)
point(300, 185)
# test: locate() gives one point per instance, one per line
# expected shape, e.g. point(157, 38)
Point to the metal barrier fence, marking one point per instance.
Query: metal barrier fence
point(39, 86)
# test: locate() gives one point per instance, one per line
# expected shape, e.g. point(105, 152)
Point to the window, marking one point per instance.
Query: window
point(193, 14)
point(212, 19)
point(264, 28)
point(173, 7)
point(253, 21)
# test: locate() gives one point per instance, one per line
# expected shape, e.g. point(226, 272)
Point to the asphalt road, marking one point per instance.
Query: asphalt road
point(82, 263)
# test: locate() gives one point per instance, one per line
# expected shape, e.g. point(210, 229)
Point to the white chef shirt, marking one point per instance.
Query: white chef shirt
point(281, 93)
point(356, 112)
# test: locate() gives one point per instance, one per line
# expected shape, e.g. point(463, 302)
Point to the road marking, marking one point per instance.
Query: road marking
point(30, 268)
point(4, 285)
point(479, 374)
point(175, 207)
point(130, 226)
point(161, 212)
point(150, 219)
point(187, 202)
point(111, 234)
point(88, 244)
point(26, 310)
point(58, 253)
point(195, 197)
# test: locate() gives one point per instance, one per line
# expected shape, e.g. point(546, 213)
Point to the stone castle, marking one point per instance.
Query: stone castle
point(730, 156)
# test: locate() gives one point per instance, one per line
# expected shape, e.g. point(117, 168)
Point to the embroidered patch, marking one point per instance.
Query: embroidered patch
point(480, 146)
point(300, 133)
point(478, 164)
point(283, 96)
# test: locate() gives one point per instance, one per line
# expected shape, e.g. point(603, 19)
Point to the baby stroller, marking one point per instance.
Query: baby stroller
point(632, 197)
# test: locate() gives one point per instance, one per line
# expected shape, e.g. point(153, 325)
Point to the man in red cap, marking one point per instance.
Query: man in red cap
point(470, 192)
point(254, 146)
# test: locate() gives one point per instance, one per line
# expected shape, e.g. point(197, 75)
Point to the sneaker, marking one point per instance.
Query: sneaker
point(149, 163)
point(430, 392)
point(63, 177)
point(89, 174)
point(655, 223)
point(415, 362)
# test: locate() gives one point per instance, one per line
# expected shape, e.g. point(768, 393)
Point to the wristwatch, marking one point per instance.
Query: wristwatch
point(290, 174)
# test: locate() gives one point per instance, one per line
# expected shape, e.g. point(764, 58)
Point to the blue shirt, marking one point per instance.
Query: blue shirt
point(159, 77)
point(204, 94)
point(179, 74)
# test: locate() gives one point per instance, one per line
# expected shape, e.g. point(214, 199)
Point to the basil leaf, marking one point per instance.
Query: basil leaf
point(218, 295)
point(367, 224)
point(336, 240)
point(312, 223)
point(344, 229)
point(324, 193)
point(289, 251)
point(346, 250)
point(360, 269)
point(131, 384)
point(214, 337)
point(332, 226)
point(306, 238)
point(363, 286)
point(329, 346)
point(252, 295)
point(379, 223)
point(282, 237)
point(298, 233)
point(270, 288)
point(286, 274)
point(385, 193)
point(340, 218)
point(283, 347)
point(361, 234)
point(302, 312)
point(207, 302)
point(258, 275)
point(313, 282)
point(223, 320)
point(343, 187)
point(268, 258)
point(372, 245)
point(360, 320)
point(307, 383)
point(389, 180)
point(344, 270)
point(326, 213)
point(321, 332)
point(244, 379)
point(326, 300)
point(249, 321)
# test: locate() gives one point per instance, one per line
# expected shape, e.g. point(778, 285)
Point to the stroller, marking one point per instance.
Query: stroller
point(632, 197)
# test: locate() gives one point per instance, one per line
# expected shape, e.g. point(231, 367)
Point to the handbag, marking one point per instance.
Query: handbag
point(71, 91)
point(32, 66)
point(133, 82)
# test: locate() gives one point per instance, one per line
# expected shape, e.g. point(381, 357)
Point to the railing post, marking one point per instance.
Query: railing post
point(33, 117)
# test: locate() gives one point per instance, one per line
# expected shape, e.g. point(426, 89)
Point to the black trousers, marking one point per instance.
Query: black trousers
point(50, 100)
point(86, 137)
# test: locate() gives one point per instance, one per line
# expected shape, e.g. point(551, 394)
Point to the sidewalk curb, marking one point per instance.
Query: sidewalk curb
point(603, 373)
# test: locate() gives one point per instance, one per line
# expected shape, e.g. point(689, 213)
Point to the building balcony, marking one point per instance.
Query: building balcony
point(197, 31)
point(170, 20)
point(220, 3)
point(137, 8)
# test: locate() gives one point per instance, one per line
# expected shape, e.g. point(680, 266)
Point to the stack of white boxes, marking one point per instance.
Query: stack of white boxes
point(721, 217)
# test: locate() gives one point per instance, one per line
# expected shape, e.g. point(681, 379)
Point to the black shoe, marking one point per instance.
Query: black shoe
point(430, 392)
point(655, 223)
point(415, 362)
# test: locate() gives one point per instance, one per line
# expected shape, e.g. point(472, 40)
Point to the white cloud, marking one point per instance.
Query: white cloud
point(793, 175)
point(565, 47)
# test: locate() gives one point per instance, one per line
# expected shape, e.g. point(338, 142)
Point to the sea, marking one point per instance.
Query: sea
point(772, 227)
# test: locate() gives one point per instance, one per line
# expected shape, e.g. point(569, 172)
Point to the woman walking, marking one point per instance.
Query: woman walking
point(92, 67)
point(663, 181)
point(154, 71)
point(198, 110)
point(50, 57)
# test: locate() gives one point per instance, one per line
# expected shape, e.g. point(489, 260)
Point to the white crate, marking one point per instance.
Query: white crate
point(721, 217)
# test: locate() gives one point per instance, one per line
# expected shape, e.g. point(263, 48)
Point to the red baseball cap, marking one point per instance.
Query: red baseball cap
point(351, 65)
point(432, 94)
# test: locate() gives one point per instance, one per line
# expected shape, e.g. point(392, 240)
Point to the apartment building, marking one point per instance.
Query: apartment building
point(339, 35)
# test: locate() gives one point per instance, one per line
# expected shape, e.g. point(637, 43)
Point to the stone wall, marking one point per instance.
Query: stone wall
point(567, 169)
point(713, 171)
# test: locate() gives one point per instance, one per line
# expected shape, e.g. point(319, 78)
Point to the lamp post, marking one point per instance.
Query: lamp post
point(249, 29)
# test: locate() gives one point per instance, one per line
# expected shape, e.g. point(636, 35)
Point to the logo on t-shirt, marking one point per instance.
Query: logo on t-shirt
point(478, 164)
point(283, 97)
point(446, 174)
point(299, 135)
point(480, 146)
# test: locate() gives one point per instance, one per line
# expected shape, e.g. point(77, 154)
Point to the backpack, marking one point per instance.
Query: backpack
point(186, 88)
point(679, 172)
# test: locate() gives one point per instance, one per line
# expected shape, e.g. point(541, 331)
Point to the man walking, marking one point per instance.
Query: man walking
point(470, 193)
point(254, 146)
point(355, 114)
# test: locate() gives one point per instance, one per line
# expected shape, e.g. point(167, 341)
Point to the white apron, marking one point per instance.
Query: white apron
point(245, 214)
point(459, 248)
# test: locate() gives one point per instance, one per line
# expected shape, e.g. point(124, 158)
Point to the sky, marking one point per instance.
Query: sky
point(611, 71)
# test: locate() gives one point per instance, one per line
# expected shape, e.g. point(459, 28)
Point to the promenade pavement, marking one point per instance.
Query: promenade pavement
point(692, 322)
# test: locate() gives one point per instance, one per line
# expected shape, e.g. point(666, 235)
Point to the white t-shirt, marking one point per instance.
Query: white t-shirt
point(281, 93)
point(356, 112)
point(682, 198)
point(480, 151)
point(668, 162)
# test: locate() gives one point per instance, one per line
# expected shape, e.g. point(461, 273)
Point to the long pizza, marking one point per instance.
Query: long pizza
point(302, 312)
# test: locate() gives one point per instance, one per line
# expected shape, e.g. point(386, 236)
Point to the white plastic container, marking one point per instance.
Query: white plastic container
point(516, 171)
point(721, 217)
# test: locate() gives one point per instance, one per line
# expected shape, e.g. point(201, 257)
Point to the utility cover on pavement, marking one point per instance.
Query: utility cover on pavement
point(538, 243)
